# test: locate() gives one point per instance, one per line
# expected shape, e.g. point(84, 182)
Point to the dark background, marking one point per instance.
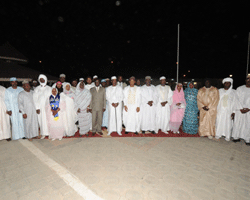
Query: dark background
point(81, 38)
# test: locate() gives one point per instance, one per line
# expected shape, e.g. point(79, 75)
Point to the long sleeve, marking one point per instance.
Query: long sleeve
point(104, 99)
point(21, 103)
point(216, 98)
point(170, 96)
point(199, 100)
point(125, 100)
point(138, 101)
point(35, 98)
point(91, 102)
point(7, 100)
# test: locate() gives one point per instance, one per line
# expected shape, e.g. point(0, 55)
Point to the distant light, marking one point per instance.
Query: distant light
point(184, 75)
point(117, 3)
point(172, 79)
point(112, 61)
point(230, 75)
point(192, 79)
point(195, 83)
point(188, 70)
point(40, 61)
point(128, 41)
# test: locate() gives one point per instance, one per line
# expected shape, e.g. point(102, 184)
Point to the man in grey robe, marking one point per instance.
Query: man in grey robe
point(27, 108)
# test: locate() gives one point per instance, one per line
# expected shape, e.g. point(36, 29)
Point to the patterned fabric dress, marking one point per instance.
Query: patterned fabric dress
point(190, 121)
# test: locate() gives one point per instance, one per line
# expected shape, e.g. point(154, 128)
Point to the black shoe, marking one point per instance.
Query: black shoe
point(247, 143)
point(152, 132)
point(143, 132)
point(238, 140)
point(123, 126)
point(136, 133)
point(126, 132)
point(24, 138)
point(9, 139)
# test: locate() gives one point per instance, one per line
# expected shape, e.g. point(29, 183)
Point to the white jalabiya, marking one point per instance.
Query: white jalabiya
point(241, 128)
point(40, 96)
point(114, 94)
point(132, 99)
point(227, 105)
point(4, 117)
point(164, 93)
point(27, 106)
point(88, 87)
point(148, 113)
point(11, 102)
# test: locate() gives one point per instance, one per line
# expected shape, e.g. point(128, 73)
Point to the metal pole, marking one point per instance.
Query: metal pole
point(178, 52)
point(248, 54)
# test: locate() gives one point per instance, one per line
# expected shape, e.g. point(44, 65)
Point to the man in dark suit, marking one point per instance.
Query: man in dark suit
point(97, 106)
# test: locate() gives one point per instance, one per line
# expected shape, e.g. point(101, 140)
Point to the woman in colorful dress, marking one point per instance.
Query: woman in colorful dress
point(190, 121)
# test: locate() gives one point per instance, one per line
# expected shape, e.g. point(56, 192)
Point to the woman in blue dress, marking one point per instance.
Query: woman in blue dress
point(190, 121)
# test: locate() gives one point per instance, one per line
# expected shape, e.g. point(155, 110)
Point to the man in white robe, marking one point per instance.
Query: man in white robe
point(114, 96)
point(4, 117)
point(225, 110)
point(148, 107)
point(164, 94)
point(120, 83)
point(27, 107)
point(132, 102)
point(40, 96)
point(241, 128)
point(11, 102)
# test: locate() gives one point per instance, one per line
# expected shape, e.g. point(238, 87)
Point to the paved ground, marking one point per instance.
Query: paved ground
point(124, 168)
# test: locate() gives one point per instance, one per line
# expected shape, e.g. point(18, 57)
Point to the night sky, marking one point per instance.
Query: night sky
point(81, 38)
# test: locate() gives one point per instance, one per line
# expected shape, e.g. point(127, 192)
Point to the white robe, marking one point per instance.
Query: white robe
point(148, 113)
point(132, 99)
point(26, 106)
point(164, 93)
point(4, 117)
point(11, 102)
point(88, 87)
point(227, 105)
point(115, 95)
point(241, 128)
point(40, 96)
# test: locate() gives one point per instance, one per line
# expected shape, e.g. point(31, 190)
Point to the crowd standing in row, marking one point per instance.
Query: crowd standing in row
point(64, 108)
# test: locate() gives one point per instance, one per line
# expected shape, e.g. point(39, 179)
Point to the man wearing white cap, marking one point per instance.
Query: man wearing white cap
point(241, 128)
point(40, 96)
point(27, 107)
point(62, 78)
point(148, 106)
point(11, 102)
point(164, 94)
point(4, 117)
point(114, 96)
point(132, 103)
point(225, 110)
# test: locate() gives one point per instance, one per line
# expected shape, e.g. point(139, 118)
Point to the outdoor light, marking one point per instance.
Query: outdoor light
point(230, 75)
point(188, 70)
point(40, 61)
point(184, 75)
point(195, 83)
point(192, 79)
point(111, 61)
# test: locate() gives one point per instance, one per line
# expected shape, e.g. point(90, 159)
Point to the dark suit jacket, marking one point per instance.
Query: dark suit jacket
point(98, 99)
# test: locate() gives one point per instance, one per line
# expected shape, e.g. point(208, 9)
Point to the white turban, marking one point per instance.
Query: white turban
point(113, 77)
point(81, 79)
point(163, 77)
point(62, 75)
point(227, 80)
point(25, 81)
point(148, 77)
point(95, 76)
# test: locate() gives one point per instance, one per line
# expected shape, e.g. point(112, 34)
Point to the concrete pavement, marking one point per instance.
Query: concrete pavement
point(125, 168)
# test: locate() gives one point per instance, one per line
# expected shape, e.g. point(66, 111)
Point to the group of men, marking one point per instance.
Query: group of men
point(223, 112)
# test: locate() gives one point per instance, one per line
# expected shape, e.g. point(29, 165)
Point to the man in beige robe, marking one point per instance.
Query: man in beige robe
point(207, 99)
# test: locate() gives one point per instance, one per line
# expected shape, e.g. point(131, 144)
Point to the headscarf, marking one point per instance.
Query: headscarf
point(178, 97)
point(189, 91)
point(69, 92)
point(45, 78)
